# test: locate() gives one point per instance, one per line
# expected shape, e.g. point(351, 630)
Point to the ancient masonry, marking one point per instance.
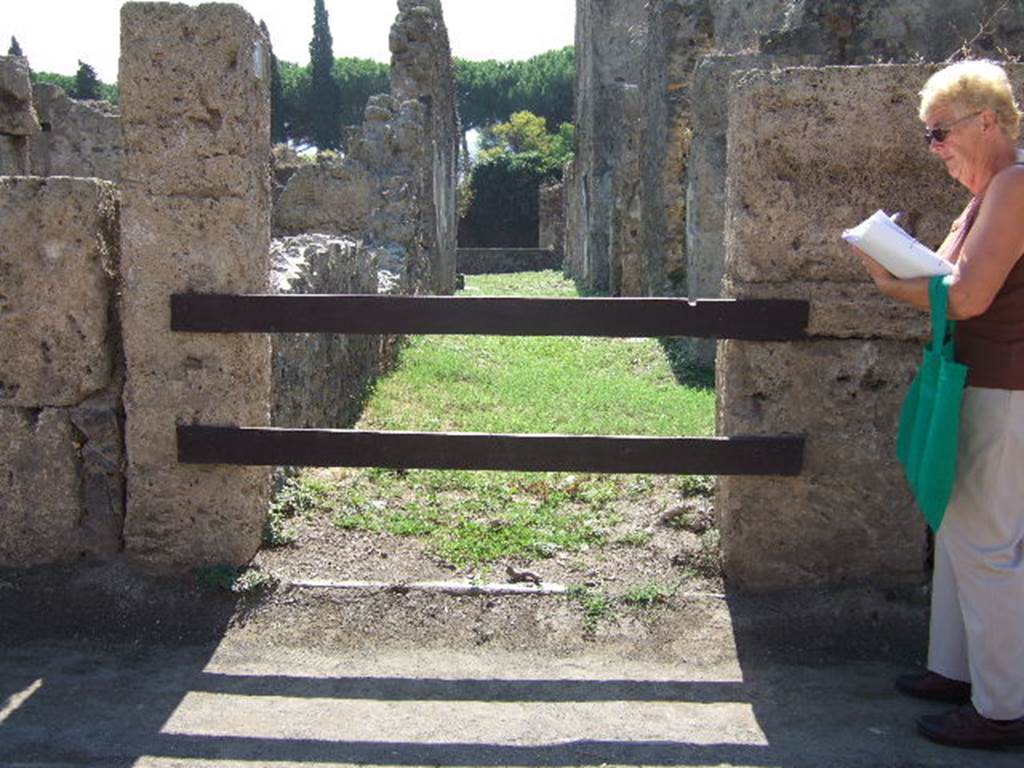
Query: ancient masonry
point(94, 381)
point(396, 187)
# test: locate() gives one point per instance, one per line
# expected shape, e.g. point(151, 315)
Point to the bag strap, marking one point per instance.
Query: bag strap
point(942, 326)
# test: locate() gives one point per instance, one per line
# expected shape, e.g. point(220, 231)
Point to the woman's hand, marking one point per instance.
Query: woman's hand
point(883, 278)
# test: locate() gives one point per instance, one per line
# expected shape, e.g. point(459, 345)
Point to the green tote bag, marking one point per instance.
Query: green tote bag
point(928, 437)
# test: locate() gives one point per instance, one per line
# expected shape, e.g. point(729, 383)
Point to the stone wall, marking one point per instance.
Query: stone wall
point(61, 481)
point(551, 227)
point(195, 217)
point(603, 185)
point(320, 379)
point(78, 138)
point(478, 261)
point(801, 169)
point(18, 120)
point(396, 187)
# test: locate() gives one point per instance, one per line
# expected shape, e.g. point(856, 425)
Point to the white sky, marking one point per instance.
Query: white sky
point(55, 34)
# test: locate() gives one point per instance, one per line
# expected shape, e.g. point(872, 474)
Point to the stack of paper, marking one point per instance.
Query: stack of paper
point(884, 241)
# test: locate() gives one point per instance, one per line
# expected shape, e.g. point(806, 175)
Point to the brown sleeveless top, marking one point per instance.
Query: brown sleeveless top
point(991, 345)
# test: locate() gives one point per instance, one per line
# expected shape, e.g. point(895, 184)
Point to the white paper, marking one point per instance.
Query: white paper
point(888, 244)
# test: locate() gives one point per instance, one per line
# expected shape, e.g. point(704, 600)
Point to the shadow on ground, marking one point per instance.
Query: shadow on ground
point(103, 668)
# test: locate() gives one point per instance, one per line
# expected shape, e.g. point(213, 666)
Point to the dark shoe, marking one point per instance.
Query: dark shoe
point(934, 687)
point(964, 727)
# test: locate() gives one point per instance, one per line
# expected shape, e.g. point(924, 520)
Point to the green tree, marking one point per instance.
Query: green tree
point(15, 49)
point(277, 132)
point(500, 197)
point(358, 80)
point(491, 91)
point(324, 106)
point(87, 85)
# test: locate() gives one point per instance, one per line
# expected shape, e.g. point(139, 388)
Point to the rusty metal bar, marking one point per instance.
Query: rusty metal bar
point(750, 319)
point(744, 455)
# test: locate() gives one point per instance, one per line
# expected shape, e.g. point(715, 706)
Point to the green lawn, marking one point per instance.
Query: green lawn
point(516, 385)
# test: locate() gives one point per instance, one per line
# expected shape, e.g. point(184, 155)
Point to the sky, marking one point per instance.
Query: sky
point(56, 34)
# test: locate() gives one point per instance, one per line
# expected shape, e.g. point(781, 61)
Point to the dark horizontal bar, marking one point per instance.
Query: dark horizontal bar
point(250, 446)
point(751, 319)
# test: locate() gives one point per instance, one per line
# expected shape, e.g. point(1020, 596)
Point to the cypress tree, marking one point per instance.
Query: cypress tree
point(276, 94)
point(324, 105)
point(87, 85)
point(15, 49)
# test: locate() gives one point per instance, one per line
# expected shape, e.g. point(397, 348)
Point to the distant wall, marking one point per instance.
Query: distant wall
point(477, 261)
point(78, 138)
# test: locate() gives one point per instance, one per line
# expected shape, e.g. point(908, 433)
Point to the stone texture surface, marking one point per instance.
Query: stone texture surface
point(396, 187)
point(321, 379)
point(17, 116)
point(195, 92)
point(551, 233)
point(848, 517)
point(800, 169)
point(605, 171)
point(678, 32)
point(14, 155)
point(40, 476)
point(58, 259)
point(78, 138)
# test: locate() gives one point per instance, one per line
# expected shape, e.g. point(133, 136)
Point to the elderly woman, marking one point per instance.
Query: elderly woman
point(976, 648)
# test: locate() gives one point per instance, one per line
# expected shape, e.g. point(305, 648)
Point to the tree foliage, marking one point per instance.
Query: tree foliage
point(324, 104)
point(501, 193)
point(491, 91)
point(15, 49)
point(87, 84)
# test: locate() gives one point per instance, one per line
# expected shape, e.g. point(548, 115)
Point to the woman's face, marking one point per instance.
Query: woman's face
point(960, 147)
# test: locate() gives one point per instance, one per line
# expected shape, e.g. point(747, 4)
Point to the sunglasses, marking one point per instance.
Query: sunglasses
point(940, 134)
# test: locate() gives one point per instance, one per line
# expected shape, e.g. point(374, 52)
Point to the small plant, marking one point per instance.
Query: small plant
point(278, 530)
point(697, 485)
point(302, 495)
point(648, 594)
point(231, 578)
point(635, 539)
point(596, 605)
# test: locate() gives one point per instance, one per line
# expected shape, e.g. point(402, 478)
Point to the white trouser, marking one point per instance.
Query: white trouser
point(977, 622)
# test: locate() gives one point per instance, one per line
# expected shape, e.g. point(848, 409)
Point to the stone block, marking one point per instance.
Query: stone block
point(39, 488)
point(842, 310)
point(15, 159)
point(326, 199)
point(79, 138)
point(196, 217)
point(849, 515)
point(803, 167)
point(196, 124)
point(17, 116)
point(58, 256)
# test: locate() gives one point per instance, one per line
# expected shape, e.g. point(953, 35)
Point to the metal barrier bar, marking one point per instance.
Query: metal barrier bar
point(743, 455)
point(750, 319)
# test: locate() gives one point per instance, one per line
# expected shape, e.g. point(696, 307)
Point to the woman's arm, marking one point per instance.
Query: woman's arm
point(992, 247)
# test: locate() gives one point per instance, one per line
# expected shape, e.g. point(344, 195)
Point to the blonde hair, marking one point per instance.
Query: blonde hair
point(973, 86)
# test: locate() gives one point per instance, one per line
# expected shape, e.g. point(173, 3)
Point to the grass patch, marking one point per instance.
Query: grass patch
point(560, 385)
point(595, 604)
point(648, 594)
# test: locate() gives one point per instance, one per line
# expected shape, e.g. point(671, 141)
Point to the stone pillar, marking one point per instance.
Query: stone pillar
point(195, 99)
point(801, 169)
point(18, 121)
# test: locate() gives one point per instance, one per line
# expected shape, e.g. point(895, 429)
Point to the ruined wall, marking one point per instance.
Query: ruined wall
point(396, 187)
point(61, 482)
point(78, 138)
point(605, 177)
point(18, 121)
point(801, 169)
point(552, 218)
point(195, 217)
point(320, 379)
